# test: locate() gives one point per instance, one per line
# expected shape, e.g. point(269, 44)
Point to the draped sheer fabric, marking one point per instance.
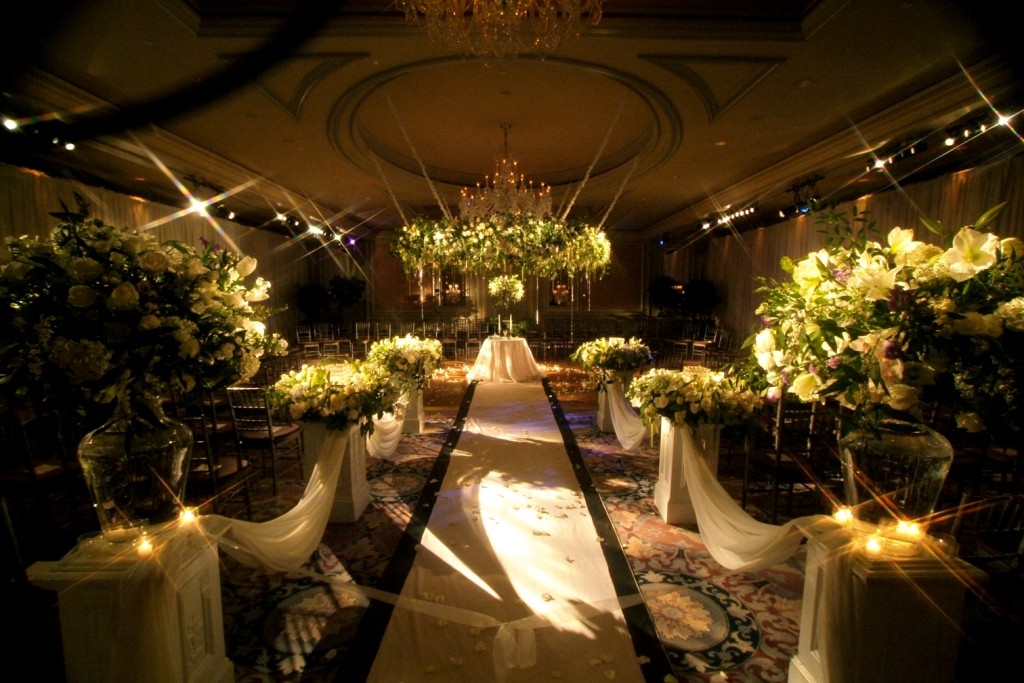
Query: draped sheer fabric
point(736, 540)
point(285, 543)
point(387, 431)
point(629, 428)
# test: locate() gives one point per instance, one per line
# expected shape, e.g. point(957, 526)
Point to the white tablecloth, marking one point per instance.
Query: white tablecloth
point(504, 359)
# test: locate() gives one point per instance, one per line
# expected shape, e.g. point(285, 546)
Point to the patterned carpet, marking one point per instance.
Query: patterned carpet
point(715, 625)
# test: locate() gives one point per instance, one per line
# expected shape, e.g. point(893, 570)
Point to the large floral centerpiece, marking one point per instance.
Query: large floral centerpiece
point(97, 316)
point(340, 395)
point(897, 332)
point(97, 322)
point(693, 397)
point(612, 356)
point(888, 326)
point(410, 360)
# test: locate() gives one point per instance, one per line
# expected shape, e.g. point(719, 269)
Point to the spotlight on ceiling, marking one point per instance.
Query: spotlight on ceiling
point(805, 195)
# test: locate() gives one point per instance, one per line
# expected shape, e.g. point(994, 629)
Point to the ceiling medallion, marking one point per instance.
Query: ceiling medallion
point(502, 28)
point(506, 192)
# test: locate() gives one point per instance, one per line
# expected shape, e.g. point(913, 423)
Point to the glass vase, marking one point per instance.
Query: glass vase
point(136, 467)
point(896, 471)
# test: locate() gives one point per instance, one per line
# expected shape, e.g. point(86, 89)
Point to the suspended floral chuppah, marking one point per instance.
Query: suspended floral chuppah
point(895, 330)
point(98, 322)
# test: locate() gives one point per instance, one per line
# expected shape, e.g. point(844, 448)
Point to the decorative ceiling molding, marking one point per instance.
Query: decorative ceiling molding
point(719, 81)
point(290, 82)
point(654, 145)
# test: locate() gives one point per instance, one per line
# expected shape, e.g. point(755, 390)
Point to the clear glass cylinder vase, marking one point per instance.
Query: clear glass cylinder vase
point(896, 471)
point(136, 468)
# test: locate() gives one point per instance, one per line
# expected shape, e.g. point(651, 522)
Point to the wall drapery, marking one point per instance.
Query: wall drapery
point(956, 200)
point(29, 197)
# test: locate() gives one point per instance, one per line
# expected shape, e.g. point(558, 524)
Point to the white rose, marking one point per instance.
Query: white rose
point(149, 322)
point(124, 297)
point(154, 261)
point(85, 269)
point(81, 296)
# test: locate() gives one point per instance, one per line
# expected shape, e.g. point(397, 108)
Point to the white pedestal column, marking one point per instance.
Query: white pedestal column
point(126, 617)
point(353, 492)
point(604, 413)
point(415, 420)
point(886, 619)
point(671, 495)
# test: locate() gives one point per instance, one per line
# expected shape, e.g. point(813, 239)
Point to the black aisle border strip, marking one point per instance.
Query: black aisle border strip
point(365, 644)
point(656, 667)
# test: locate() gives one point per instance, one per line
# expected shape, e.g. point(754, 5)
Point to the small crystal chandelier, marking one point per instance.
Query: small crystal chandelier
point(502, 28)
point(506, 192)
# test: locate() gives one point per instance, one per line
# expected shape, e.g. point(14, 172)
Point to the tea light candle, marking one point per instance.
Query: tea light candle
point(187, 517)
point(145, 547)
point(873, 545)
point(902, 537)
point(843, 515)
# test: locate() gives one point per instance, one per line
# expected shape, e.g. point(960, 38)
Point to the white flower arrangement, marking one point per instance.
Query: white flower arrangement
point(611, 355)
point(692, 396)
point(508, 289)
point(411, 360)
point(98, 316)
point(340, 395)
point(886, 328)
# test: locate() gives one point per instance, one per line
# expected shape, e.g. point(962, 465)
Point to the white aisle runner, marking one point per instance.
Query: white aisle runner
point(509, 582)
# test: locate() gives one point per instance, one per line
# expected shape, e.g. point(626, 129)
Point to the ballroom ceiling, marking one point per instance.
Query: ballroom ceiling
point(663, 115)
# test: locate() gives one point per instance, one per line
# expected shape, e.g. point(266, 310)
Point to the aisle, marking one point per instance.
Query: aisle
point(512, 570)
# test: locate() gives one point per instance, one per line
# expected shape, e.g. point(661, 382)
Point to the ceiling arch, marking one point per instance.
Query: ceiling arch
point(372, 119)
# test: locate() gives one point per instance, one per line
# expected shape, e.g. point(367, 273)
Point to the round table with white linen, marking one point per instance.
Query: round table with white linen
point(504, 359)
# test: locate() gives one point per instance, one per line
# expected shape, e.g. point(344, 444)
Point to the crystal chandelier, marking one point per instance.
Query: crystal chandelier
point(506, 192)
point(502, 28)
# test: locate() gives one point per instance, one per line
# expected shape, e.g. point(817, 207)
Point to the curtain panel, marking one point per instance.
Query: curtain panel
point(735, 264)
point(29, 197)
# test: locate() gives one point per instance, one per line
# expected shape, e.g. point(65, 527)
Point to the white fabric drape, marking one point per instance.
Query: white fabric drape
point(734, 538)
point(285, 543)
point(629, 428)
point(387, 431)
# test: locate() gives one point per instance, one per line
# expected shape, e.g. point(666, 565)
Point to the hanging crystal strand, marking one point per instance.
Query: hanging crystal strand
point(422, 318)
point(536, 300)
point(590, 299)
point(572, 308)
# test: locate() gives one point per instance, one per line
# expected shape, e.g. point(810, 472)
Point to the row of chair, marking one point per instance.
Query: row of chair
point(236, 437)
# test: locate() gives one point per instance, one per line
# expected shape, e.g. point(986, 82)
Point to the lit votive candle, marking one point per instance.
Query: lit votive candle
point(188, 517)
point(873, 545)
point(902, 537)
point(843, 515)
point(144, 547)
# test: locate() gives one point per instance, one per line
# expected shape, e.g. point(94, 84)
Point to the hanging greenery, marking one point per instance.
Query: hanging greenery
point(527, 244)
